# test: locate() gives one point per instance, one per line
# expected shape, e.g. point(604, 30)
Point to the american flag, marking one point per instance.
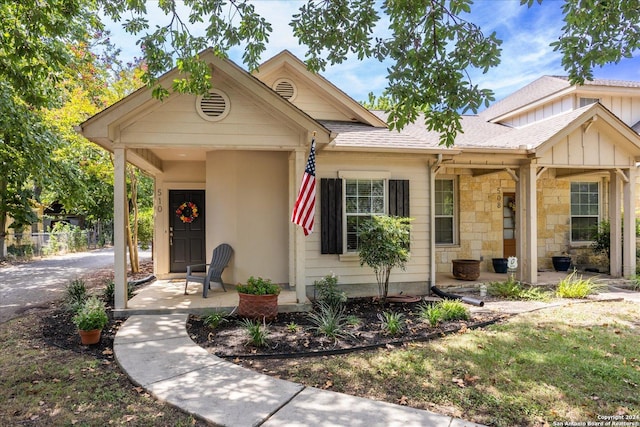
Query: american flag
point(305, 207)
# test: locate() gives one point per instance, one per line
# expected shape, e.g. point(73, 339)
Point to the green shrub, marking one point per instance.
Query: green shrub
point(329, 321)
point(92, 315)
point(145, 227)
point(75, 295)
point(214, 320)
point(392, 323)
point(453, 310)
point(109, 292)
point(328, 291)
point(258, 286)
point(443, 311)
point(573, 286)
point(514, 290)
point(257, 334)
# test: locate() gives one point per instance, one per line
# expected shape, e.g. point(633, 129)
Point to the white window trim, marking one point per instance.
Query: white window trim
point(363, 175)
point(581, 243)
point(456, 212)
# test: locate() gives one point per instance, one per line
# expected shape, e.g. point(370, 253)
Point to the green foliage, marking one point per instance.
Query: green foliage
point(384, 244)
point(514, 290)
point(443, 311)
point(431, 313)
point(292, 327)
point(258, 286)
point(613, 34)
point(145, 227)
point(75, 295)
point(328, 292)
point(110, 289)
point(352, 320)
point(392, 323)
point(24, 250)
point(329, 321)
point(214, 320)
point(92, 315)
point(65, 237)
point(602, 238)
point(257, 334)
point(635, 285)
point(573, 286)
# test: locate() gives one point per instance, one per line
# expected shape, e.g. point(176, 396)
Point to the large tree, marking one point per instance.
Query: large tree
point(430, 47)
point(34, 52)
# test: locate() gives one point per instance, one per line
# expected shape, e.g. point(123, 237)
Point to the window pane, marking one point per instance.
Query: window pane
point(377, 188)
point(444, 230)
point(363, 197)
point(377, 205)
point(585, 208)
point(352, 187)
point(364, 205)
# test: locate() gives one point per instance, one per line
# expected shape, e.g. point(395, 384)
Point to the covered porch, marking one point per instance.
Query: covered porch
point(167, 296)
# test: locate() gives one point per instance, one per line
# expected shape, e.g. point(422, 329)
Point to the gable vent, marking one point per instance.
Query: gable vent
point(285, 89)
point(213, 106)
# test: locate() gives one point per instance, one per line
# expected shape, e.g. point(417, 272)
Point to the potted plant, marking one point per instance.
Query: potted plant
point(90, 319)
point(258, 299)
point(561, 262)
point(499, 265)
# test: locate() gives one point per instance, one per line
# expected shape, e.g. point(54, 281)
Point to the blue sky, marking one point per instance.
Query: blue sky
point(526, 54)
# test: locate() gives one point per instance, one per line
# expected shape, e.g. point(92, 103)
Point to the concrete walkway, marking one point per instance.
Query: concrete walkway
point(157, 354)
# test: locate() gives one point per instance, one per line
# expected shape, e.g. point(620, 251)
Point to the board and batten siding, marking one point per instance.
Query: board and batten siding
point(627, 108)
point(347, 267)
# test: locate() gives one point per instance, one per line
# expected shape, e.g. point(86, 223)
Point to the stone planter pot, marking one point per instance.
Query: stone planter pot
point(466, 269)
point(90, 337)
point(499, 265)
point(561, 263)
point(258, 307)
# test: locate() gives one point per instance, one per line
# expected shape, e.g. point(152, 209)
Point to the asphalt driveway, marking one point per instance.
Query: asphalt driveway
point(36, 284)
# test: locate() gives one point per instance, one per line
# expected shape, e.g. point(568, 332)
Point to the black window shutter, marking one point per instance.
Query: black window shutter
point(399, 197)
point(331, 215)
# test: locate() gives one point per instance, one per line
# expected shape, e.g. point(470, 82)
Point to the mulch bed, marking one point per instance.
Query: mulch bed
point(230, 340)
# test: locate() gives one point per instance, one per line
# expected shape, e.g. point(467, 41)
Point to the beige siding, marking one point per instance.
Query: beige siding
point(176, 121)
point(310, 100)
point(247, 201)
point(348, 268)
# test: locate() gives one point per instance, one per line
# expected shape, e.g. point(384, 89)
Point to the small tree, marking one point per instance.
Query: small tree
point(384, 244)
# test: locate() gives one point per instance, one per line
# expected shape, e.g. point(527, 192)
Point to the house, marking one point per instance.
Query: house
point(528, 177)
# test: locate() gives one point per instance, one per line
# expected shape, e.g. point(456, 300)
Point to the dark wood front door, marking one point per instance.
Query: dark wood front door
point(508, 225)
point(186, 229)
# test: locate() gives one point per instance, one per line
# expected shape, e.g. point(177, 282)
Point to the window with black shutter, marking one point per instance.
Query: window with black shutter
point(361, 199)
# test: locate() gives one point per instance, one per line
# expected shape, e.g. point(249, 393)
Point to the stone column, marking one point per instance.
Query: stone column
point(119, 224)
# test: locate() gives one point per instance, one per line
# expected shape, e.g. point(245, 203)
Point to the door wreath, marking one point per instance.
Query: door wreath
point(188, 211)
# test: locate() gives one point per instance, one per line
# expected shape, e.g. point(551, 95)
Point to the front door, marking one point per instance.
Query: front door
point(508, 225)
point(186, 229)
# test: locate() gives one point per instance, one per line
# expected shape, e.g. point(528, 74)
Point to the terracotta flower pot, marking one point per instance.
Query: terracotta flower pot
point(258, 306)
point(90, 337)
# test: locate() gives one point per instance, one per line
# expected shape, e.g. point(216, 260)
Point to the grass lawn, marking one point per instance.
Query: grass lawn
point(567, 364)
point(41, 385)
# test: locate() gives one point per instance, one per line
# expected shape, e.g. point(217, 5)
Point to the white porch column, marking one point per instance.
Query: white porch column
point(431, 169)
point(119, 235)
point(615, 222)
point(299, 243)
point(527, 225)
point(629, 251)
